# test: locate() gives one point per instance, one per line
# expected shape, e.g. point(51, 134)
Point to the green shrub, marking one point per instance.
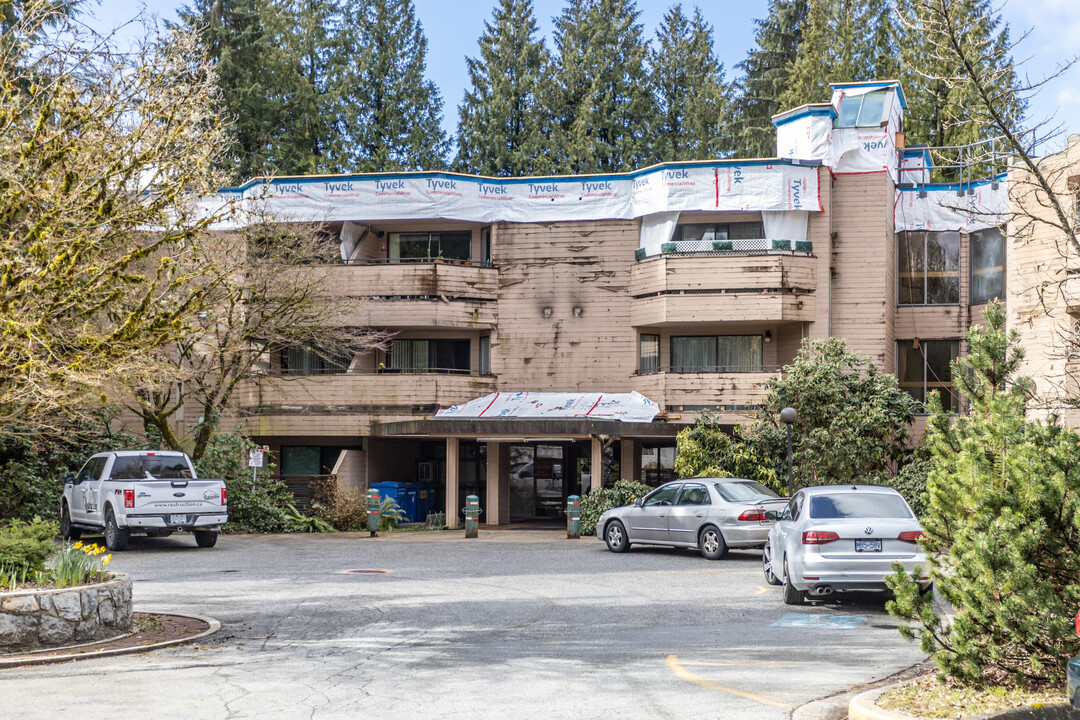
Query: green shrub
point(596, 502)
point(258, 507)
point(344, 508)
point(24, 546)
point(390, 514)
point(297, 521)
point(911, 483)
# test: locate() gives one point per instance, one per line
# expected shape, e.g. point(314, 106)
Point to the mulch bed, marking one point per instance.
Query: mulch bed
point(150, 629)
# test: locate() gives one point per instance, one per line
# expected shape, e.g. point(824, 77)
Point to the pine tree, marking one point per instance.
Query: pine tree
point(390, 113)
point(601, 101)
point(767, 68)
point(844, 41)
point(502, 128)
point(693, 101)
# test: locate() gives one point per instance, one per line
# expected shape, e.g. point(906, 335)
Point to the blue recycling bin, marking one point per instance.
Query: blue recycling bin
point(405, 496)
point(425, 500)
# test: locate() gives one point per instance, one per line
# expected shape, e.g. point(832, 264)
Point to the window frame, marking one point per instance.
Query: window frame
point(925, 273)
point(947, 389)
point(716, 368)
point(1003, 267)
point(434, 241)
point(883, 116)
point(641, 356)
point(716, 230)
point(432, 353)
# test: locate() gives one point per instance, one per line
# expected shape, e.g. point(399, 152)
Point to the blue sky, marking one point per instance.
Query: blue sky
point(453, 27)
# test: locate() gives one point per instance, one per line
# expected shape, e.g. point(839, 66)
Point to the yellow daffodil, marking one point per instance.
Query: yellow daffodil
point(106, 560)
point(77, 545)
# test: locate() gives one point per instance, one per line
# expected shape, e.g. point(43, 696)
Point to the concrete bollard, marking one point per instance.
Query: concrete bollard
point(573, 517)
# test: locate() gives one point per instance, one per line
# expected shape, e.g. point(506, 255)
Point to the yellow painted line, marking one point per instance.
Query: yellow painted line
point(762, 589)
point(741, 664)
point(677, 668)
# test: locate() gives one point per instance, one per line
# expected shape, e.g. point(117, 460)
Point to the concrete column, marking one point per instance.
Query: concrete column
point(626, 461)
point(597, 463)
point(493, 502)
point(453, 501)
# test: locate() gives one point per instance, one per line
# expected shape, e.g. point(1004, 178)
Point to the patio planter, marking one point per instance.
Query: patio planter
point(721, 245)
point(639, 254)
point(669, 248)
point(35, 619)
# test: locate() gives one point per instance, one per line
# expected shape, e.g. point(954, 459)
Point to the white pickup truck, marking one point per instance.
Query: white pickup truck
point(155, 492)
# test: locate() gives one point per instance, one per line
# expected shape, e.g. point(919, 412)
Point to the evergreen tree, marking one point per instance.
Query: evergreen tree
point(390, 113)
point(766, 70)
point(502, 129)
point(844, 41)
point(601, 100)
point(693, 103)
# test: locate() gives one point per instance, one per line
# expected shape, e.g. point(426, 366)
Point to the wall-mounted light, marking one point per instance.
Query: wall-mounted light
point(547, 312)
point(577, 311)
point(915, 344)
point(768, 336)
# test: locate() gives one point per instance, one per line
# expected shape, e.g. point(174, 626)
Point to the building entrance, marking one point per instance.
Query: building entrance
point(543, 475)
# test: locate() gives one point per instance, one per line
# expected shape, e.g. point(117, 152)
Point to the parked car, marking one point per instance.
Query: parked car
point(156, 493)
point(711, 514)
point(833, 539)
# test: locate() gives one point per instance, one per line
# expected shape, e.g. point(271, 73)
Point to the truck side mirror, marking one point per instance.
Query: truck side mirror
point(69, 478)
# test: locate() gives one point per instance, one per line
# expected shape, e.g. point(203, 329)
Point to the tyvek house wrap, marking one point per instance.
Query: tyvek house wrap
point(625, 407)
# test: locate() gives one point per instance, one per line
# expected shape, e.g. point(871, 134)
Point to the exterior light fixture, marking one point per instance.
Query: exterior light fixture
point(768, 336)
point(788, 416)
point(547, 312)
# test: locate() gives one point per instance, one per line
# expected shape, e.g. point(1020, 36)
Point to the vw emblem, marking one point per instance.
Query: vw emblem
point(868, 530)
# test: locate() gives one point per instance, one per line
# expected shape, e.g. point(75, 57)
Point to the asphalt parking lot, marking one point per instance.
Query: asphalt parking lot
point(514, 624)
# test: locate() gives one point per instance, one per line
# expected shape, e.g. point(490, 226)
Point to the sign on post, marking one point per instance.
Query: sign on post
point(255, 458)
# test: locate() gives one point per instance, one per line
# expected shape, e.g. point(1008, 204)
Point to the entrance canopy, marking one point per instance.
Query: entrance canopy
point(622, 407)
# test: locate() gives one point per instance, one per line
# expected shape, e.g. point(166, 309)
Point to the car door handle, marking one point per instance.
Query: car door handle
point(701, 514)
point(661, 515)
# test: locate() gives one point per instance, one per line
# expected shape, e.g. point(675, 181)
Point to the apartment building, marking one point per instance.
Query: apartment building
point(690, 284)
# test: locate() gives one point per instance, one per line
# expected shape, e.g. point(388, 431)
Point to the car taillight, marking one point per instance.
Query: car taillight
point(129, 498)
point(755, 515)
point(818, 537)
point(911, 536)
point(224, 496)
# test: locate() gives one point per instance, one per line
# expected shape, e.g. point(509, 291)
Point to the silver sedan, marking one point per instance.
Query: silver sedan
point(711, 514)
point(837, 538)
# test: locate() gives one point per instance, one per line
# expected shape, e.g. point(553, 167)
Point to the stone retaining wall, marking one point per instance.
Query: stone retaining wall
point(34, 619)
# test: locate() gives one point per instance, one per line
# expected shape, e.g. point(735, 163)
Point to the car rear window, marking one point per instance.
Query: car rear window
point(854, 505)
point(151, 467)
point(744, 490)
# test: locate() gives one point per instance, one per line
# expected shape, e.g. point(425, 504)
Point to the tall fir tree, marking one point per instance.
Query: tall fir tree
point(502, 123)
point(603, 110)
point(938, 106)
point(766, 69)
point(693, 100)
point(844, 41)
point(391, 114)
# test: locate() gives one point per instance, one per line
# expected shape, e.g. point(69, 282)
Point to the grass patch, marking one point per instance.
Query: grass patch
point(929, 697)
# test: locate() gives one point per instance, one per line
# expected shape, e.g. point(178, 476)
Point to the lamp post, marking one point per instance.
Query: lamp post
point(789, 416)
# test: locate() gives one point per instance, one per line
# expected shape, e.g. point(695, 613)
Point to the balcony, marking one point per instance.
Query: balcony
point(736, 396)
point(420, 295)
point(672, 289)
point(348, 403)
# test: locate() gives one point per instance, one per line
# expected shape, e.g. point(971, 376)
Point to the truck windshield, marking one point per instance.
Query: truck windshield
point(152, 467)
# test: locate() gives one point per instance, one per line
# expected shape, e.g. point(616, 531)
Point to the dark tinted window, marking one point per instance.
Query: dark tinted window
point(157, 467)
point(744, 490)
point(987, 265)
point(858, 505)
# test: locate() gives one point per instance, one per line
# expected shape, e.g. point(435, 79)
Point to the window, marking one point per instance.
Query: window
point(434, 356)
point(927, 367)
point(657, 464)
point(305, 360)
point(420, 247)
point(705, 233)
point(858, 505)
point(745, 491)
point(92, 469)
point(987, 266)
point(150, 467)
point(694, 495)
point(485, 355)
point(649, 353)
point(928, 265)
point(485, 246)
point(866, 110)
point(716, 353)
point(664, 496)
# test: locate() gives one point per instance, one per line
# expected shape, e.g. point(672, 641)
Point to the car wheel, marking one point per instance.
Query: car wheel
point(615, 537)
point(206, 538)
point(116, 537)
point(711, 543)
point(66, 530)
point(766, 566)
point(791, 595)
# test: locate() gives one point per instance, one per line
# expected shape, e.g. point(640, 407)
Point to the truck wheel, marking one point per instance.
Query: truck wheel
point(66, 531)
point(116, 537)
point(206, 538)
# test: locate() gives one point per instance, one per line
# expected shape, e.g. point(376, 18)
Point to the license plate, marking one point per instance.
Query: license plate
point(867, 546)
point(182, 519)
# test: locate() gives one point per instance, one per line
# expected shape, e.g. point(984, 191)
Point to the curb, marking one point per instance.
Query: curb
point(864, 706)
point(49, 660)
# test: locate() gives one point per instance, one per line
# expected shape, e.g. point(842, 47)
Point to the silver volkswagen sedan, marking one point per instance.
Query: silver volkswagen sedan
point(837, 538)
point(711, 514)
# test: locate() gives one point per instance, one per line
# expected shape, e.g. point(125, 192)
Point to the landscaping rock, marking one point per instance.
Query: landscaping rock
point(89, 604)
point(54, 631)
point(17, 629)
point(20, 604)
point(106, 611)
point(68, 605)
